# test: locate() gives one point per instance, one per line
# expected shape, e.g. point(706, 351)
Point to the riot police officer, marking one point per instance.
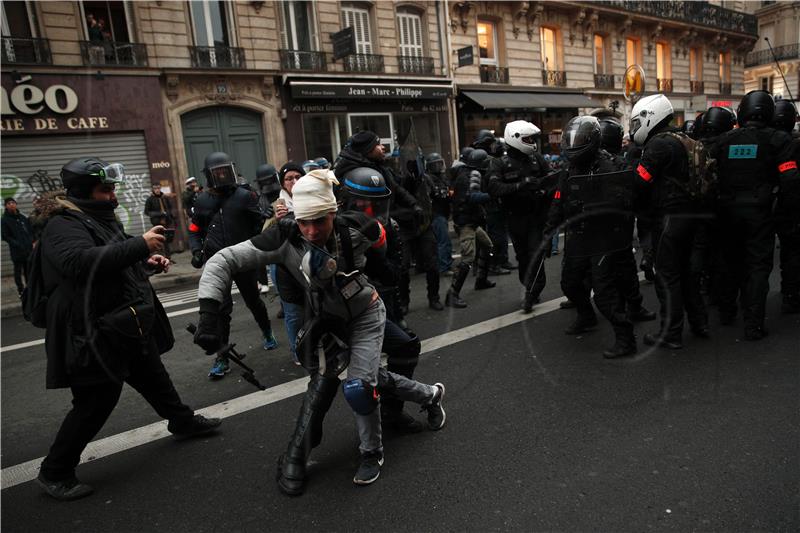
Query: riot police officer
point(269, 188)
point(224, 215)
point(440, 204)
point(469, 219)
point(662, 174)
point(496, 221)
point(787, 219)
point(595, 200)
point(517, 179)
point(752, 159)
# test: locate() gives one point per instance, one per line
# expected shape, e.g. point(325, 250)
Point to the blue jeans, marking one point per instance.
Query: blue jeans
point(293, 315)
point(443, 244)
point(554, 243)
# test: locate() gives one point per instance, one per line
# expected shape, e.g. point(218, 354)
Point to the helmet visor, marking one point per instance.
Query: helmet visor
point(377, 208)
point(222, 176)
point(636, 123)
point(111, 173)
point(435, 167)
point(529, 139)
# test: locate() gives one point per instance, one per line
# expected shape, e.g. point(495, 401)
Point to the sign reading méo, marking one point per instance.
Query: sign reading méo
point(30, 100)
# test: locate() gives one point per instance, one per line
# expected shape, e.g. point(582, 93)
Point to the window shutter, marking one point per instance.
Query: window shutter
point(410, 34)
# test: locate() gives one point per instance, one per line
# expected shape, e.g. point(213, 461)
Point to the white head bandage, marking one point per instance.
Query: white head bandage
point(313, 195)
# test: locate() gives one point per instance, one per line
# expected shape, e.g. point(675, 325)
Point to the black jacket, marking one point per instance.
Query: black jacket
point(440, 194)
point(469, 203)
point(222, 220)
point(662, 171)
point(403, 202)
point(90, 277)
point(506, 182)
point(159, 209)
point(18, 233)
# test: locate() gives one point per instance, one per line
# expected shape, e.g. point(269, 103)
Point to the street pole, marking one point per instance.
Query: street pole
point(785, 84)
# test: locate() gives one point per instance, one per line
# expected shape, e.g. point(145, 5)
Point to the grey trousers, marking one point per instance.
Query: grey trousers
point(365, 339)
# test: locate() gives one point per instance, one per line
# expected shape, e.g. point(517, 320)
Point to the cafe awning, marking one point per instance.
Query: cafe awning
point(523, 100)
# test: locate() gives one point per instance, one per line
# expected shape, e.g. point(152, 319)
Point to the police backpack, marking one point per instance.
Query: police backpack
point(702, 183)
point(35, 295)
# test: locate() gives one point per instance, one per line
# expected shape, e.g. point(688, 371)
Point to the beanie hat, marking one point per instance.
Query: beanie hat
point(363, 142)
point(313, 195)
point(289, 167)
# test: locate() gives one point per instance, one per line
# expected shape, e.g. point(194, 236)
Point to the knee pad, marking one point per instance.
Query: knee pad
point(362, 397)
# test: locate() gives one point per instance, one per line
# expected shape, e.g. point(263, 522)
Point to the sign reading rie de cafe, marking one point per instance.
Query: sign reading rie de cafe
point(30, 108)
point(369, 91)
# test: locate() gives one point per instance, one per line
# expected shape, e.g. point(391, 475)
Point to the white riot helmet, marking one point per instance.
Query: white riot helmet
point(522, 135)
point(649, 113)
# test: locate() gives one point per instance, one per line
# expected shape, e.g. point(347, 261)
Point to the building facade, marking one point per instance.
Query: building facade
point(780, 23)
point(159, 84)
point(548, 61)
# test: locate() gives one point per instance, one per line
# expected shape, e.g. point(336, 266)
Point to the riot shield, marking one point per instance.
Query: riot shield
point(602, 213)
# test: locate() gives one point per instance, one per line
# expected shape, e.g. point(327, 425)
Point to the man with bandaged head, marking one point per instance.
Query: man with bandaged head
point(325, 252)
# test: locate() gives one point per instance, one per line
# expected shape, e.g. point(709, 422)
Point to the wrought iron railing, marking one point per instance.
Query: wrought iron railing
point(363, 63)
point(664, 85)
point(725, 88)
point(603, 81)
point(217, 56)
point(697, 87)
point(554, 78)
point(303, 60)
point(415, 65)
point(30, 51)
point(762, 57)
point(96, 53)
point(492, 74)
point(690, 12)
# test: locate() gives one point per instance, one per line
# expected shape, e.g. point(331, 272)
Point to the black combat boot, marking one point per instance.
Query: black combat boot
point(482, 266)
point(432, 279)
point(624, 345)
point(453, 299)
point(641, 315)
point(530, 300)
point(582, 324)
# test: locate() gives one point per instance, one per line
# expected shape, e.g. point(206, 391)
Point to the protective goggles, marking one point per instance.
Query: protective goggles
point(111, 173)
point(222, 175)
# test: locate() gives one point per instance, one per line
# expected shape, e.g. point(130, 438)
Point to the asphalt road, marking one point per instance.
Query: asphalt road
point(542, 434)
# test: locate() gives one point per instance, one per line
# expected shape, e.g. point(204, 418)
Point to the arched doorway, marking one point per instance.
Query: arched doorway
point(232, 130)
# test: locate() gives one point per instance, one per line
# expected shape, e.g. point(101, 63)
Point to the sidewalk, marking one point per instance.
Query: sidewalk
point(180, 273)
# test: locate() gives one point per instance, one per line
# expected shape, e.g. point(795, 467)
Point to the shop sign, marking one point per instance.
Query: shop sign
point(465, 56)
point(402, 92)
point(344, 43)
point(29, 100)
point(721, 103)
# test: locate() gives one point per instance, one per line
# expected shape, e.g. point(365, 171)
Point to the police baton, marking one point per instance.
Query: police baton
point(229, 352)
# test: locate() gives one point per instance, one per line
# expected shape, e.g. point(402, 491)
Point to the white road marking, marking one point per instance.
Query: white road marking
point(27, 471)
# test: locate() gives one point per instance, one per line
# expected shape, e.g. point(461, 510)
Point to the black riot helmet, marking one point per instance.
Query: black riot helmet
point(220, 171)
point(80, 175)
point(690, 128)
point(717, 121)
point(364, 189)
point(785, 116)
point(434, 164)
point(485, 140)
point(580, 140)
point(756, 106)
point(465, 153)
point(611, 133)
point(699, 123)
point(477, 159)
point(267, 180)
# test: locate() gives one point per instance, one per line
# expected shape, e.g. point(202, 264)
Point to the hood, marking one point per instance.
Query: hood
point(349, 159)
point(52, 203)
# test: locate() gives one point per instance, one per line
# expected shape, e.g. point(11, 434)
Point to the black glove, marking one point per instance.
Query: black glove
point(197, 259)
point(207, 335)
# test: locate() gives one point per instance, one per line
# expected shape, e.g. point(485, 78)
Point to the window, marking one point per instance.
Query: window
point(663, 62)
point(410, 26)
point(633, 48)
point(765, 83)
point(16, 20)
point(549, 49)
point(106, 21)
point(725, 67)
point(487, 42)
point(358, 19)
point(696, 64)
point(211, 23)
point(298, 26)
point(602, 55)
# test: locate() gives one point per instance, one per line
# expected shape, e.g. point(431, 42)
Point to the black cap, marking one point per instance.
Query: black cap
point(288, 167)
point(364, 141)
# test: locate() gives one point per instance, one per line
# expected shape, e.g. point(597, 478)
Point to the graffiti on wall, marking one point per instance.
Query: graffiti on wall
point(132, 194)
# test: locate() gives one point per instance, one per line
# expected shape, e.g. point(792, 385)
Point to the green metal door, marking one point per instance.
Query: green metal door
point(232, 130)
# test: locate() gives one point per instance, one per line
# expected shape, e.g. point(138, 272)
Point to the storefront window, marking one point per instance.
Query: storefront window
point(324, 135)
point(421, 129)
